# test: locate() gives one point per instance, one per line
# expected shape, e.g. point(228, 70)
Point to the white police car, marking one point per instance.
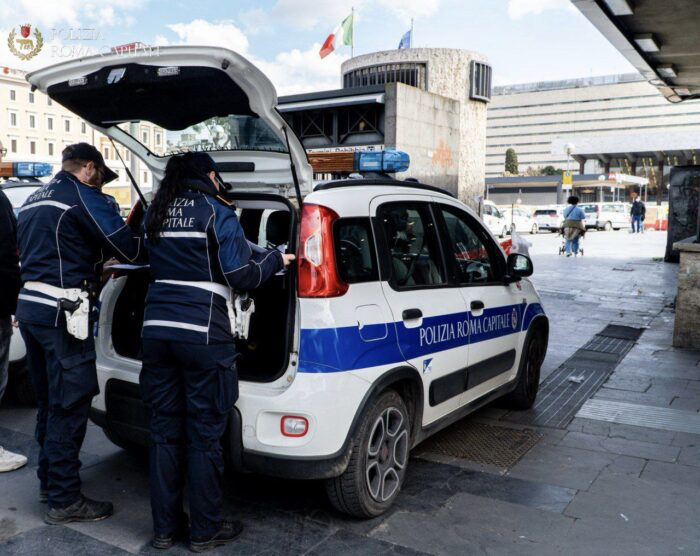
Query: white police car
point(402, 315)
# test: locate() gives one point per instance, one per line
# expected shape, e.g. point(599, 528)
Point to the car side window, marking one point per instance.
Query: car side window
point(412, 243)
point(354, 247)
point(471, 253)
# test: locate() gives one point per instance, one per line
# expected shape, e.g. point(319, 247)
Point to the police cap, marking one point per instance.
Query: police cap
point(87, 152)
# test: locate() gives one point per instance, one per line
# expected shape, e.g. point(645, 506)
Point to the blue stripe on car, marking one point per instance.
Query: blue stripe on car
point(327, 350)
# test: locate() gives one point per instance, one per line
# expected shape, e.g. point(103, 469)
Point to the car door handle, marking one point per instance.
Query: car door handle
point(477, 305)
point(412, 314)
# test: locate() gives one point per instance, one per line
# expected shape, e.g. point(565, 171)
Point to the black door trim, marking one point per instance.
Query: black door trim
point(457, 382)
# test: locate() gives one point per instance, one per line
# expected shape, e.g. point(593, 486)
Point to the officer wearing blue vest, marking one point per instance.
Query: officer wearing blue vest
point(200, 263)
point(66, 230)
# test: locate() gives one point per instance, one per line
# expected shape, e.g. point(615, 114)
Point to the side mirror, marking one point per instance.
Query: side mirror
point(519, 266)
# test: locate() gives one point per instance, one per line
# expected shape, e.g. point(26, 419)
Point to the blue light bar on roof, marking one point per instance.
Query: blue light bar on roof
point(388, 160)
point(31, 169)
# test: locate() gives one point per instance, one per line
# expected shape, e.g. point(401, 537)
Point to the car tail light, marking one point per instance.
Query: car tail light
point(294, 426)
point(135, 215)
point(318, 274)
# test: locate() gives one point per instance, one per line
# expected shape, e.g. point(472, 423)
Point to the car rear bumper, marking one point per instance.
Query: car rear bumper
point(129, 417)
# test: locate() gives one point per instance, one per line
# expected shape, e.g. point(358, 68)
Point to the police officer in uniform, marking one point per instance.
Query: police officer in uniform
point(66, 229)
point(198, 256)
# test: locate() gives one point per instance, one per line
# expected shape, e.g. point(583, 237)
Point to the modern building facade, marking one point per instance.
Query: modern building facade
point(536, 119)
point(428, 102)
point(33, 128)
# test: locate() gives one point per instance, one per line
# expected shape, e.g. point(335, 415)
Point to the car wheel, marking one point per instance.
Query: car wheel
point(534, 229)
point(24, 388)
point(607, 227)
point(373, 478)
point(528, 380)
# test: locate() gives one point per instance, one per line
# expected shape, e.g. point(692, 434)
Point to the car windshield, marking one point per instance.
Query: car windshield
point(548, 212)
point(588, 209)
point(220, 133)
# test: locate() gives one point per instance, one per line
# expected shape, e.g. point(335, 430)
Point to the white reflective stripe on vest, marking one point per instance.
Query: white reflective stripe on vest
point(214, 287)
point(174, 324)
point(36, 299)
point(45, 204)
point(53, 291)
point(202, 235)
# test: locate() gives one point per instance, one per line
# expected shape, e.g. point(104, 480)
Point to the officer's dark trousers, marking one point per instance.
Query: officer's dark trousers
point(65, 379)
point(191, 388)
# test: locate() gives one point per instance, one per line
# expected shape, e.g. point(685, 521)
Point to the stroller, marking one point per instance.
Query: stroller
point(562, 246)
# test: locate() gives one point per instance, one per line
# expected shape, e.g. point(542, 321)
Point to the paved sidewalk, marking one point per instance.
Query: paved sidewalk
point(594, 487)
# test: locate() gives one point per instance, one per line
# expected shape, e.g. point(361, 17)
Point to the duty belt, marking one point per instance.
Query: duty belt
point(240, 307)
point(74, 301)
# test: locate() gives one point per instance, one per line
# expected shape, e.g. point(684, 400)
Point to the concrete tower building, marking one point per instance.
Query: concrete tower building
point(435, 109)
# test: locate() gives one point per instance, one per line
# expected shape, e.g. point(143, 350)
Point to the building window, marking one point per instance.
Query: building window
point(105, 153)
point(31, 98)
point(145, 177)
point(49, 102)
point(49, 123)
point(32, 147)
point(410, 73)
point(157, 139)
point(13, 119)
point(127, 155)
point(32, 121)
point(50, 149)
point(144, 136)
point(66, 126)
point(13, 94)
point(480, 88)
point(13, 145)
point(83, 128)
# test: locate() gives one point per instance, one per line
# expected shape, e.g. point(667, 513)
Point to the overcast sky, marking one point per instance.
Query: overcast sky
point(525, 40)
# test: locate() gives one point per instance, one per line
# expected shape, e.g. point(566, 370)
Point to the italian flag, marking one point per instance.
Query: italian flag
point(342, 35)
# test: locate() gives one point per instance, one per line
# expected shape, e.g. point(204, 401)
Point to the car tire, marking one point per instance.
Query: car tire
point(607, 227)
point(380, 450)
point(534, 229)
point(528, 379)
point(24, 388)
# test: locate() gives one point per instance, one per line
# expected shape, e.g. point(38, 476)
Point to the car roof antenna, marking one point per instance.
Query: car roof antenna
point(292, 167)
point(144, 203)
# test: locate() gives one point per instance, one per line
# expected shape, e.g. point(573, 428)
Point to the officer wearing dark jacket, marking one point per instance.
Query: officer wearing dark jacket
point(198, 255)
point(66, 230)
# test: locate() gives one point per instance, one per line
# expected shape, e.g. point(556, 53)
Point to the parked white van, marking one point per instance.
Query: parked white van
point(607, 216)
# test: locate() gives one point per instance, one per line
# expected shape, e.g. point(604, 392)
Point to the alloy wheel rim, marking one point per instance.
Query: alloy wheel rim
point(387, 454)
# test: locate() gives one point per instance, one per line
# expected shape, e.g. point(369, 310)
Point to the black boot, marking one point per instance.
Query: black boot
point(181, 533)
point(228, 532)
point(82, 510)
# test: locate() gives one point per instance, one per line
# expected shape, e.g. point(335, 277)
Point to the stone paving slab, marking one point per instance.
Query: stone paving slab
point(634, 448)
point(57, 541)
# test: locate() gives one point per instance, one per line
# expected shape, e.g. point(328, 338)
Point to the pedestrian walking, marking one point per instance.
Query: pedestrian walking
point(9, 289)
point(638, 212)
point(66, 229)
point(198, 255)
point(574, 226)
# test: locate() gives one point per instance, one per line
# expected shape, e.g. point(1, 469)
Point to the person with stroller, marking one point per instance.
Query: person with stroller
point(574, 226)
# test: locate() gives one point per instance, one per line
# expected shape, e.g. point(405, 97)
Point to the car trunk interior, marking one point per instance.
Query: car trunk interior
point(268, 221)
